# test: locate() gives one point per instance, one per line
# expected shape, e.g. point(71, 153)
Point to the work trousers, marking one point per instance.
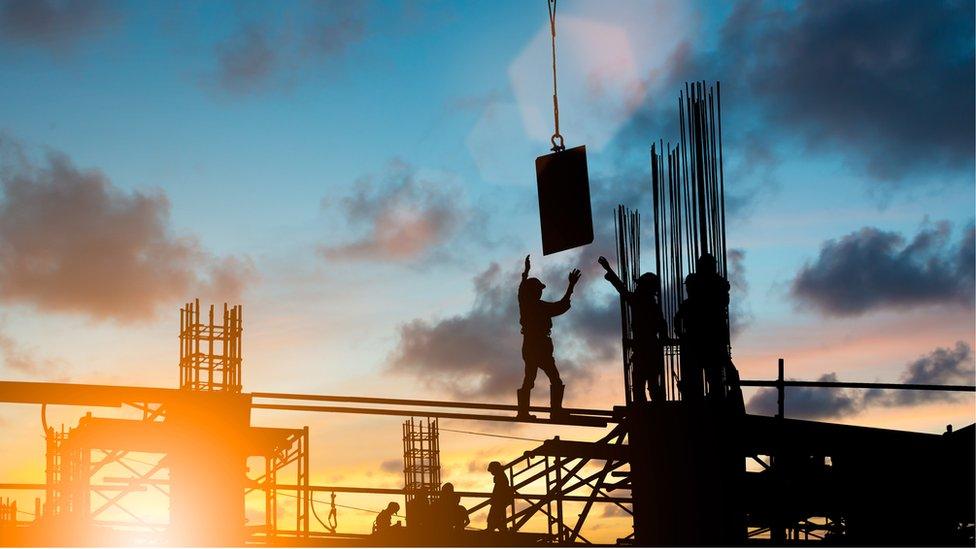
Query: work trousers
point(537, 354)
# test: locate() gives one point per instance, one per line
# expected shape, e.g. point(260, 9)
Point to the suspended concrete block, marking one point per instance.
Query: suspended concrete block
point(564, 200)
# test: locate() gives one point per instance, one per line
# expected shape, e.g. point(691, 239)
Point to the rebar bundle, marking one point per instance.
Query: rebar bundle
point(627, 236)
point(688, 189)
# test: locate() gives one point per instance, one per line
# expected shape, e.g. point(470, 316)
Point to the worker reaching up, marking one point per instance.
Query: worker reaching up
point(535, 316)
point(649, 330)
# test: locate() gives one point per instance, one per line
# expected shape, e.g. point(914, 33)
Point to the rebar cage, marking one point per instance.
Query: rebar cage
point(210, 354)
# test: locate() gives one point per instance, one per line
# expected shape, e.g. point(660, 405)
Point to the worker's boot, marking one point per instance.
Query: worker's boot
point(556, 401)
point(523, 404)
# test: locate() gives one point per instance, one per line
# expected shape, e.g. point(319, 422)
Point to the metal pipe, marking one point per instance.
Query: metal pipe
point(431, 403)
point(584, 421)
point(859, 385)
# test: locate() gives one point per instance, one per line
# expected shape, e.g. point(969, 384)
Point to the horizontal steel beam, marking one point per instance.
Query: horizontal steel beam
point(77, 394)
point(366, 490)
point(578, 421)
point(858, 385)
point(40, 486)
point(426, 403)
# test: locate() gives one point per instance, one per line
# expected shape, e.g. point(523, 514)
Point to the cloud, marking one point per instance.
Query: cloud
point(392, 466)
point(940, 367)
point(281, 49)
point(16, 358)
point(245, 60)
point(56, 25)
point(808, 402)
point(71, 241)
point(740, 316)
point(478, 353)
point(886, 86)
point(405, 216)
point(614, 511)
point(872, 269)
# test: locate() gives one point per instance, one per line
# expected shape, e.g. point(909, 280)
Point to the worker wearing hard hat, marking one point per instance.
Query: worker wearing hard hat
point(535, 316)
point(501, 497)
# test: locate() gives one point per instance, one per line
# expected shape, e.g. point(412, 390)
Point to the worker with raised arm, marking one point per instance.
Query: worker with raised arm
point(535, 316)
point(650, 332)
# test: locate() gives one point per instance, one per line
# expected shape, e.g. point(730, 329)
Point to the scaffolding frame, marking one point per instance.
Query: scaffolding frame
point(293, 450)
point(559, 463)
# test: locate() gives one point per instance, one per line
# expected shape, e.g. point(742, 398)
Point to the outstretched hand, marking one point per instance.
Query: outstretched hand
point(574, 276)
point(604, 263)
point(525, 273)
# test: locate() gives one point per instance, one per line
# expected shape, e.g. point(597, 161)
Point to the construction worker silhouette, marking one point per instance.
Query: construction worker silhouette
point(649, 330)
point(535, 316)
point(705, 324)
point(501, 497)
point(452, 516)
point(385, 517)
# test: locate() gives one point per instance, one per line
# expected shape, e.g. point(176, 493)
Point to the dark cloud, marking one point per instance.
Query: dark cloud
point(392, 466)
point(283, 49)
point(53, 24)
point(940, 367)
point(478, 353)
point(887, 86)
point(70, 241)
point(332, 27)
point(873, 269)
point(403, 216)
point(808, 402)
point(246, 60)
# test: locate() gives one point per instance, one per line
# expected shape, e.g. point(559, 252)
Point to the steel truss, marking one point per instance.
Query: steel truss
point(560, 465)
point(293, 449)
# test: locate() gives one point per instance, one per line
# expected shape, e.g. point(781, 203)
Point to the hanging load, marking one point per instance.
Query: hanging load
point(563, 182)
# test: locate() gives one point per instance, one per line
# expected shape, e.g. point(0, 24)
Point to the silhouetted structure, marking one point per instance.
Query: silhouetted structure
point(535, 316)
point(421, 469)
point(210, 354)
point(501, 497)
point(384, 519)
point(677, 464)
point(647, 330)
point(564, 200)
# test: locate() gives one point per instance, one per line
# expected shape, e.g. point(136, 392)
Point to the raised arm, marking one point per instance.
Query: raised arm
point(561, 306)
point(525, 273)
point(612, 277)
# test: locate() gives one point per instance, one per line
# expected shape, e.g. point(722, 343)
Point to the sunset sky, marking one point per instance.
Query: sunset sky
point(360, 177)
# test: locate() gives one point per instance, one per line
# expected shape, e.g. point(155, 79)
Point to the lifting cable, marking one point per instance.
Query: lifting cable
point(286, 494)
point(555, 96)
point(491, 435)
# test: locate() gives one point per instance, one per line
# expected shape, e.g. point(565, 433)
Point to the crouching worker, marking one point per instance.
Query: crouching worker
point(535, 316)
point(452, 516)
point(383, 523)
